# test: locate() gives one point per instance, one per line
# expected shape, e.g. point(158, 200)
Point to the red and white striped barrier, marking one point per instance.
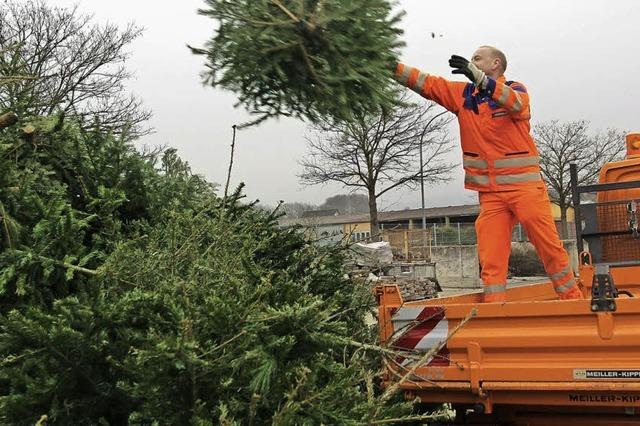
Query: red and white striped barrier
point(421, 329)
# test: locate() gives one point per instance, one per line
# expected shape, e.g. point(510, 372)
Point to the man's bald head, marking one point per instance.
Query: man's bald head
point(497, 53)
point(491, 60)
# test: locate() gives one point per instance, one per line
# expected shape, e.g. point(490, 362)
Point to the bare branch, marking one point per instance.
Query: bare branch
point(561, 144)
point(379, 153)
point(74, 66)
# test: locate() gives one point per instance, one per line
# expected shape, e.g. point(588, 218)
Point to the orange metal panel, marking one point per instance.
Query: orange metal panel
point(620, 171)
point(624, 277)
point(555, 420)
point(534, 350)
point(612, 215)
point(539, 398)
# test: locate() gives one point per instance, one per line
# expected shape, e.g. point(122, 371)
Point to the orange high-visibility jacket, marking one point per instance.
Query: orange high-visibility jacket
point(499, 153)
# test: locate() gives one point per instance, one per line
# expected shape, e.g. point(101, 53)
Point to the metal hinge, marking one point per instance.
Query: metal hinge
point(603, 290)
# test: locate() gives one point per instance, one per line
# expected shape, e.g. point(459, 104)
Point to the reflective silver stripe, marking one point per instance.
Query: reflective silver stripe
point(561, 274)
point(494, 288)
point(505, 94)
point(566, 287)
point(517, 162)
point(404, 77)
point(517, 106)
point(476, 164)
point(522, 177)
point(421, 79)
point(478, 180)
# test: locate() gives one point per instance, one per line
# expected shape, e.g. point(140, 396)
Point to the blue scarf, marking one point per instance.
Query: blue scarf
point(472, 101)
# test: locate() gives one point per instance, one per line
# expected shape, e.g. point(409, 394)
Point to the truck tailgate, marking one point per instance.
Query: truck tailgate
point(534, 350)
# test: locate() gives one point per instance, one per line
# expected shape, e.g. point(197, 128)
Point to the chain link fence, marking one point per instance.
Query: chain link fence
point(416, 244)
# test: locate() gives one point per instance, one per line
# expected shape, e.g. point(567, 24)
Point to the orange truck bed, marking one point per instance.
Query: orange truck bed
point(535, 359)
point(534, 353)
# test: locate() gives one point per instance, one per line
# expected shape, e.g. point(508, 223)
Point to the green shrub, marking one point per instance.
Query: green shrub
point(524, 261)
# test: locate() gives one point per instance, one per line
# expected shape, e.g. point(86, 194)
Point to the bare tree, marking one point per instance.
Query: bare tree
point(561, 144)
point(379, 154)
point(71, 66)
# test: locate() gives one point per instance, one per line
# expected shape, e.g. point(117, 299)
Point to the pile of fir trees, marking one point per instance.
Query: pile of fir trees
point(130, 293)
point(322, 60)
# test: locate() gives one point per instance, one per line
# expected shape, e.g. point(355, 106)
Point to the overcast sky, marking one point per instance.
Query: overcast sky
point(578, 59)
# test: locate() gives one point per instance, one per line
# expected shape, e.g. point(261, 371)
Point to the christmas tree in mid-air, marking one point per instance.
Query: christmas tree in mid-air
point(313, 59)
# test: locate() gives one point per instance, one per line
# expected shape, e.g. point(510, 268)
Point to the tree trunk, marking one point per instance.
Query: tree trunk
point(373, 217)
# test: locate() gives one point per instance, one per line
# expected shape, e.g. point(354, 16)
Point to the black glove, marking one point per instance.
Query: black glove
point(461, 66)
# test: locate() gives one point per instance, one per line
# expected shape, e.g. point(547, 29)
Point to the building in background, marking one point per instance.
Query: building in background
point(451, 225)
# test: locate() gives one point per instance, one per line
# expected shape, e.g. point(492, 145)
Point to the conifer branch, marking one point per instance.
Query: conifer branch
point(226, 186)
point(286, 11)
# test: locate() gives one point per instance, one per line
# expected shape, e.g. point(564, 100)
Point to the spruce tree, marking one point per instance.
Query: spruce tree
point(312, 59)
point(189, 310)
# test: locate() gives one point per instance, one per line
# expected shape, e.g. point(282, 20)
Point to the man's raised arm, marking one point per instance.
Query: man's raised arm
point(444, 92)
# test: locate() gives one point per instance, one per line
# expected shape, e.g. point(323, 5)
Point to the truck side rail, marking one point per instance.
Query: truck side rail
point(593, 231)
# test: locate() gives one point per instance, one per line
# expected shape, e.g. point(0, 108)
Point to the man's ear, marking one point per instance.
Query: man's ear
point(495, 64)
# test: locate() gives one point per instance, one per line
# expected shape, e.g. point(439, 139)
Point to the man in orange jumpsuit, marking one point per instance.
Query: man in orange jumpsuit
point(501, 162)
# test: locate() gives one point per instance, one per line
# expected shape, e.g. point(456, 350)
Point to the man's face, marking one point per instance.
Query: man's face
point(485, 61)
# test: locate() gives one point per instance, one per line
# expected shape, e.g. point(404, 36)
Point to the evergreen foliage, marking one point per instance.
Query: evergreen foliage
point(315, 59)
point(132, 294)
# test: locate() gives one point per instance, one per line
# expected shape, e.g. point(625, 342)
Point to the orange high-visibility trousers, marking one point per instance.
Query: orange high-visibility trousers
point(499, 212)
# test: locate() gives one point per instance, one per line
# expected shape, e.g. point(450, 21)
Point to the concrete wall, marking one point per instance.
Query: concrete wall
point(457, 266)
point(569, 245)
point(414, 270)
point(572, 249)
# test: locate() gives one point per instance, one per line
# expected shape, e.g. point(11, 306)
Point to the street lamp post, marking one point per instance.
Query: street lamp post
point(426, 129)
point(424, 214)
